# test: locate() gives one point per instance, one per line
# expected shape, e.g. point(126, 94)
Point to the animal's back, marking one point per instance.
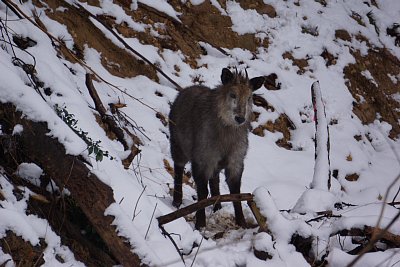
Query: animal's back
point(191, 111)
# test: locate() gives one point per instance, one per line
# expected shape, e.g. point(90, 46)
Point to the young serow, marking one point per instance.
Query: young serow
point(210, 129)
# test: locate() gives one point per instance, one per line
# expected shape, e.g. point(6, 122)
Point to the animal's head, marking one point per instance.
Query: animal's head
point(235, 100)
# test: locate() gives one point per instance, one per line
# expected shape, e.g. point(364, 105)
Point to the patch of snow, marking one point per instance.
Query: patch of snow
point(369, 77)
point(18, 128)
point(30, 172)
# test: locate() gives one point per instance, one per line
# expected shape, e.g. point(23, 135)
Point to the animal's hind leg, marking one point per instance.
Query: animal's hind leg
point(214, 188)
point(178, 169)
point(233, 182)
point(202, 193)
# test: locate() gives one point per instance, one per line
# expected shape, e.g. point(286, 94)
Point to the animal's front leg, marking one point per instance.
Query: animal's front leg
point(214, 188)
point(201, 181)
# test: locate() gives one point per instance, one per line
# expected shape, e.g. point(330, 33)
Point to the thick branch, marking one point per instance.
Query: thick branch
point(202, 204)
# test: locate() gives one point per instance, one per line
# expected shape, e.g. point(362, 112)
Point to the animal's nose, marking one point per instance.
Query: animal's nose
point(239, 119)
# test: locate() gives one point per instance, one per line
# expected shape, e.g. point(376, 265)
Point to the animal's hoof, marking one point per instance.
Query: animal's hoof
point(242, 223)
point(199, 225)
point(177, 204)
point(217, 207)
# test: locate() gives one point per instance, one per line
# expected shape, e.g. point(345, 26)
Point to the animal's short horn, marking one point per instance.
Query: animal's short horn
point(247, 75)
point(236, 74)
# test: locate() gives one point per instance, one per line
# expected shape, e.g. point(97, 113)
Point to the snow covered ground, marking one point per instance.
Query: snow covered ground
point(286, 174)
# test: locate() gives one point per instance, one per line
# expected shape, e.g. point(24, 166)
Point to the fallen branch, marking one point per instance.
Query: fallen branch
point(368, 231)
point(202, 204)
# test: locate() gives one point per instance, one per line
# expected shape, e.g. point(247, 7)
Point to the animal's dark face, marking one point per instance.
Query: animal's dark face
point(236, 108)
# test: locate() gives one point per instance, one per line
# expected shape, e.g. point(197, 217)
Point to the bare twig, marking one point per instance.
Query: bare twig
point(165, 233)
point(324, 216)
point(14, 10)
point(137, 202)
point(197, 251)
point(395, 196)
point(148, 228)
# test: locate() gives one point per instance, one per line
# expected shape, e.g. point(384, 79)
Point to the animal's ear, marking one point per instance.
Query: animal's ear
point(226, 76)
point(256, 82)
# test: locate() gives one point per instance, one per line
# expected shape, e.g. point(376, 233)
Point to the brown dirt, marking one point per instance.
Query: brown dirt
point(302, 63)
point(352, 177)
point(199, 23)
point(172, 34)
point(116, 60)
point(206, 21)
point(22, 252)
point(357, 17)
point(261, 102)
point(281, 124)
point(370, 99)
point(259, 6)
point(343, 34)
point(329, 58)
point(272, 82)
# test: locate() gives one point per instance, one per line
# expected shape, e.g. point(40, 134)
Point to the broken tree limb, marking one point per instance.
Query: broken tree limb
point(112, 125)
point(369, 231)
point(202, 204)
point(261, 220)
point(91, 194)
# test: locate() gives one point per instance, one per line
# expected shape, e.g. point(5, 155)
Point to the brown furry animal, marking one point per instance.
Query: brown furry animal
point(210, 129)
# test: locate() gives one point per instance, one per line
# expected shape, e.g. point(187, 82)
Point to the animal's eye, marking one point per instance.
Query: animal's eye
point(233, 96)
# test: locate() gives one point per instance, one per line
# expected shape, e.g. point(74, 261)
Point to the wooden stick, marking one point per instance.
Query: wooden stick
point(368, 231)
point(202, 204)
point(119, 133)
point(261, 220)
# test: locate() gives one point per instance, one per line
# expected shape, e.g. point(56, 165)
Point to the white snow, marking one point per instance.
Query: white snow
point(279, 178)
point(30, 172)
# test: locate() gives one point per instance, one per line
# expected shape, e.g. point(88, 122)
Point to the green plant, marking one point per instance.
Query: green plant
point(93, 147)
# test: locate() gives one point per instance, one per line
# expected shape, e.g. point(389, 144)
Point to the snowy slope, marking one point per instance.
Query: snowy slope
point(286, 174)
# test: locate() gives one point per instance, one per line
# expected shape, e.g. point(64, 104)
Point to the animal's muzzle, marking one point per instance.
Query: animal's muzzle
point(239, 119)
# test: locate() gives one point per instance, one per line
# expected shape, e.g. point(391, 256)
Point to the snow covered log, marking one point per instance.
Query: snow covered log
point(91, 194)
point(322, 174)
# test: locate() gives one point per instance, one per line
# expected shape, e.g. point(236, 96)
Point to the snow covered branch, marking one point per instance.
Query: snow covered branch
point(322, 174)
